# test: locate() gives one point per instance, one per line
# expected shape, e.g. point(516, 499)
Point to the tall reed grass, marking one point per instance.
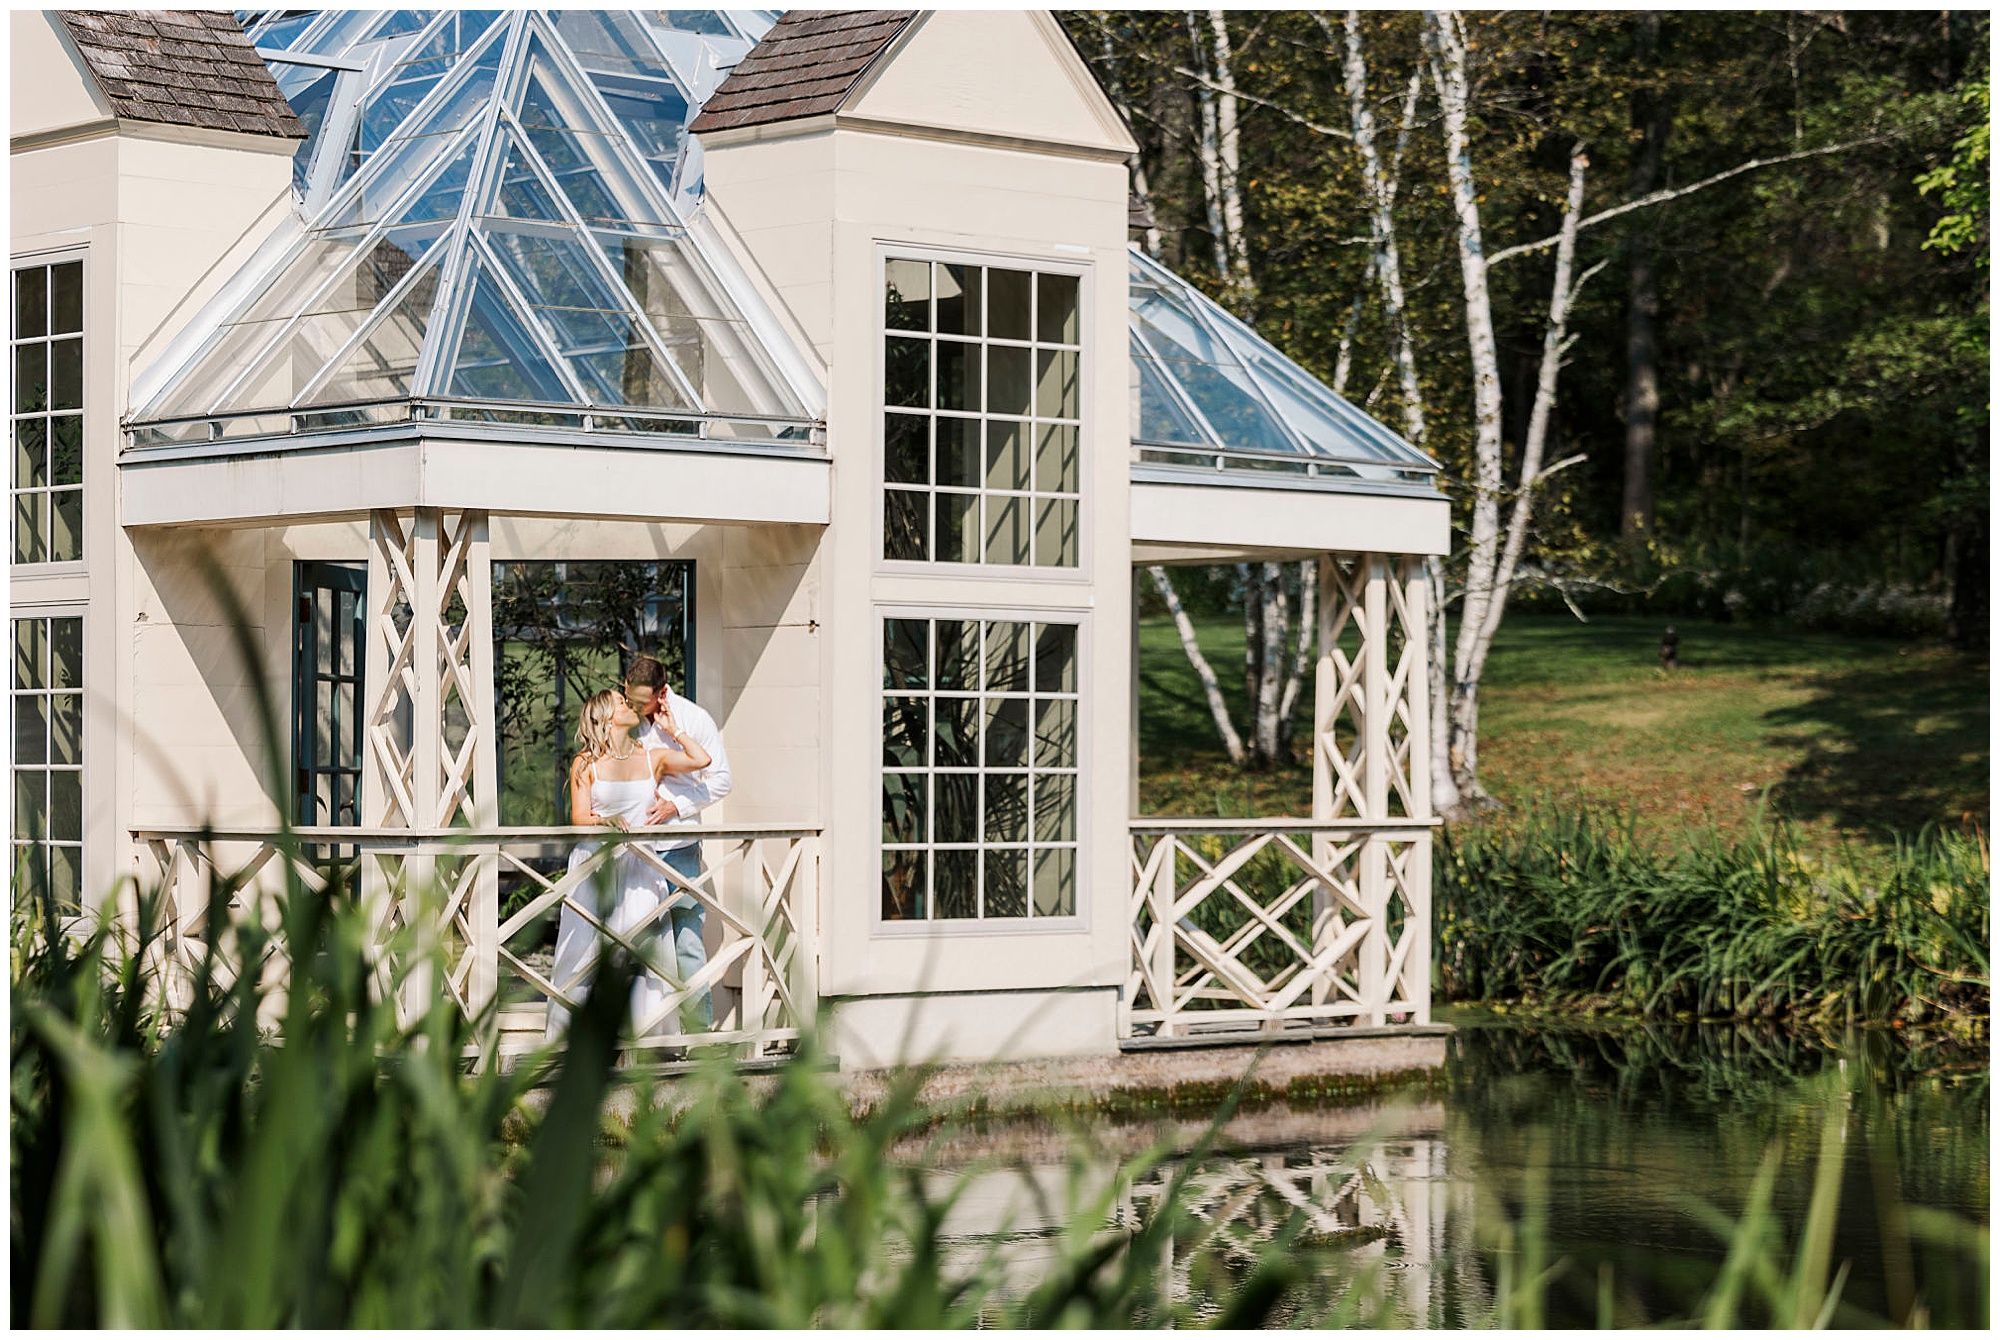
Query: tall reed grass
point(1565, 905)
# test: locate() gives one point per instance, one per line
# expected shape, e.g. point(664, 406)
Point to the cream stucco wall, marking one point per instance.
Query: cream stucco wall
point(159, 217)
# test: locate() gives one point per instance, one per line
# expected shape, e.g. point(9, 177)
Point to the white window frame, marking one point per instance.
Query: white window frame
point(78, 612)
point(914, 928)
point(1083, 271)
point(66, 567)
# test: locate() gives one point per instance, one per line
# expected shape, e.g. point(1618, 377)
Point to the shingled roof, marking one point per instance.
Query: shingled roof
point(184, 67)
point(806, 65)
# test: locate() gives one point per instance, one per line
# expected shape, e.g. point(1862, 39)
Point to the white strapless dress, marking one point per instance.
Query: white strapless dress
point(633, 889)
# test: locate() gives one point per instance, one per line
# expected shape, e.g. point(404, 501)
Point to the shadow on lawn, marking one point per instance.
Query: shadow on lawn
point(1888, 748)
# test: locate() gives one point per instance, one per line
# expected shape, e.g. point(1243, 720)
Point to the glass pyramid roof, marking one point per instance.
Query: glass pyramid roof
point(1209, 392)
point(497, 221)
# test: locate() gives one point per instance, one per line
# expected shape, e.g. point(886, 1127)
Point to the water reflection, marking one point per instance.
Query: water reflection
point(1394, 1209)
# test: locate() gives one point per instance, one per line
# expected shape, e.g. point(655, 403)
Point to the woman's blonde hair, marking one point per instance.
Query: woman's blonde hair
point(593, 726)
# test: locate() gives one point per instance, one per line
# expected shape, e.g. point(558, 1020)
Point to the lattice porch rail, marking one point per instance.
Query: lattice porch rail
point(760, 884)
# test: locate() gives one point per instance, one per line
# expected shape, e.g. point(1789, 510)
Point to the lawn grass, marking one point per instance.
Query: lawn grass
point(1853, 738)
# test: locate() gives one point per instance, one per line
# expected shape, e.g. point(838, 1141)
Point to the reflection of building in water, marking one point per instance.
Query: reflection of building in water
point(1387, 1231)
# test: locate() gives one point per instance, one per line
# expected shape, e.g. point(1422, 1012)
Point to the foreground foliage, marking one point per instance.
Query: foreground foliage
point(1565, 905)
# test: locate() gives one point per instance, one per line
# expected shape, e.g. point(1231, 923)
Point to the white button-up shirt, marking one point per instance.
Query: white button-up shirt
point(691, 792)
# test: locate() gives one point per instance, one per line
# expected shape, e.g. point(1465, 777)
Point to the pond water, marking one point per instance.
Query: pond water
point(1630, 1130)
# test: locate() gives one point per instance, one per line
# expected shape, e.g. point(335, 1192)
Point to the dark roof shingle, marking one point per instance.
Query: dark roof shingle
point(189, 67)
point(806, 65)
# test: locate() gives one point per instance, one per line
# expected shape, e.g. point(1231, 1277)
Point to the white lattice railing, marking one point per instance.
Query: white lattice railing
point(1267, 924)
point(759, 885)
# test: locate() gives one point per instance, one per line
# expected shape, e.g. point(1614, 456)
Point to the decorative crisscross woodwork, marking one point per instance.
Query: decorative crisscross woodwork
point(761, 884)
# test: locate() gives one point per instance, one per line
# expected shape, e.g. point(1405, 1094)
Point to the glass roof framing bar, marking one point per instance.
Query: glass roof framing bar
point(440, 355)
point(589, 246)
point(345, 113)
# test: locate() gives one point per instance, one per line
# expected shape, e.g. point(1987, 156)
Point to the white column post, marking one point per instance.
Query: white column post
point(1417, 876)
point(1326, 688)
point(1376, 763)
point(484, 724)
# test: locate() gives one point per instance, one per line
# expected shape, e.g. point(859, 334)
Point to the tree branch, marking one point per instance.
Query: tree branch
point(1661, 197)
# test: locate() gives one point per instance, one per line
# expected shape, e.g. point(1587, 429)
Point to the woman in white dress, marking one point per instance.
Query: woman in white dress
point(611, 785)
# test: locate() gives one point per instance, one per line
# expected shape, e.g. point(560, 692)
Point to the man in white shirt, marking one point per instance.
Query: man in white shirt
point(666, 719)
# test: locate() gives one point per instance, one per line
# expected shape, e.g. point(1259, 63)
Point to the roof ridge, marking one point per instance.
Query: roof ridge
point(817, 57)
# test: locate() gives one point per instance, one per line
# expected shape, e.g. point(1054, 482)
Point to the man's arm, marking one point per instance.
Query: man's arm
point(703, 788)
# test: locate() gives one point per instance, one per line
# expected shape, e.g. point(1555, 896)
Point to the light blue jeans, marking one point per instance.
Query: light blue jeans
point(690, 951)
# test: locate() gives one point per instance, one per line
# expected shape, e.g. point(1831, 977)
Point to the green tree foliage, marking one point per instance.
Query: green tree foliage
point(1822, 362)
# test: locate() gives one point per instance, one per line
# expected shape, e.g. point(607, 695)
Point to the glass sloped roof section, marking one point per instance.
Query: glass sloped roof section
point(497, 221)
point(1210, 393)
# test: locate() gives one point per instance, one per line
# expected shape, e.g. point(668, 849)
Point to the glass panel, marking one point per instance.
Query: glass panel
point(66, 878)
point(957, 375)
point(1055, 309)
point(1007, 883)
point(906, 525)
point(520, 193)
point(905, 803)
point(1055, 882)
point(904, 876)
point(65, 727)
point(958, 527)
point(1055, 384)
point(1006, 807)
point(67, 653)
point(906, 449)
point(31, 803)
point(66, 299)
point(573, 156)
point(957, 806)
point(384, 364)
point(1157, 415)
point(31, 654)
point(1006, 454)
point(66, 806)
point(907, 295)
point(957, 654)
point(66, 374)
point(66, 451)
point(65, 525)
point(957, 885)
point(904, 653)
point(441, 196)
point(31, 527)
point(1055, 733)
point(1055, 533)
point(1006, 658)
point(31, 453)
point(1010, 295)
point(958, 453)
point(1006, 732)
point(1055, 658)
point(906, 733)
point(906, 373)
point(1008, 380)
point(31, 378)
point(497, 358)
point(31, 729)
point(1055, 807)
point(957, 728)
point(31, 302)
point(1056, 459)
point(1007, 530)
point(958, 299)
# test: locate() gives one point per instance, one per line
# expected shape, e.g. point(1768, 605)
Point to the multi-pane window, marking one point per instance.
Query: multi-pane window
point(981, 414)
point(47, 703)
point(979, 769)
point(48, 413)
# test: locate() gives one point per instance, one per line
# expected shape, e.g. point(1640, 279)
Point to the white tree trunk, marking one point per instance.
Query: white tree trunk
point(1380, 183)
point(1231, 741)
point(1229, 150)
point(1444, 34)
point(1273, 607)
point(1302, 656)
